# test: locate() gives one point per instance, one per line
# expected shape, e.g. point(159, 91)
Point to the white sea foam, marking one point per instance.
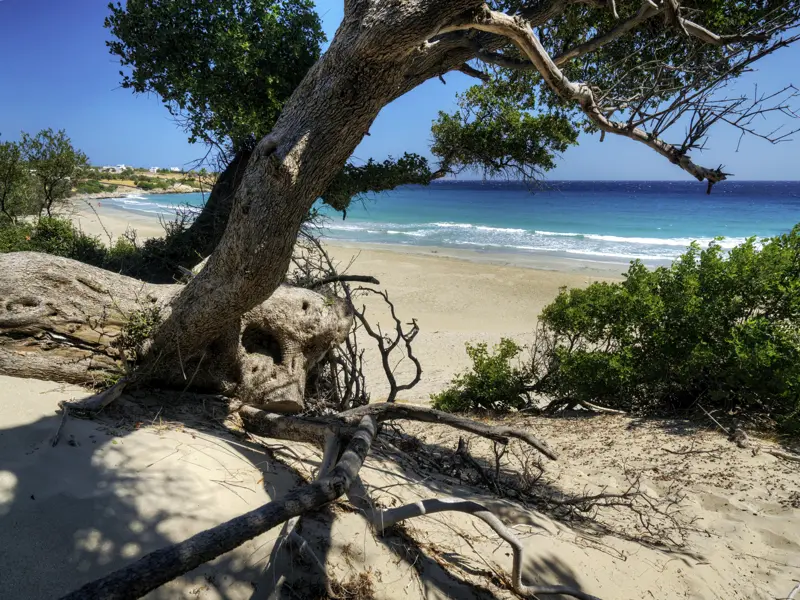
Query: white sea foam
point(456, 225)
point(682, 242)
point(447, 225)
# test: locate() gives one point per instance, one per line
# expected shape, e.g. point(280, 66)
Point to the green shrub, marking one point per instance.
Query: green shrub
point(718, 329)
point(494, 383)
point(52, 235)
point(137, 329)
point(92, 186)
point(15, 237)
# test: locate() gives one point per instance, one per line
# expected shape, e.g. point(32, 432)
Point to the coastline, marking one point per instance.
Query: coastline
point(100, 219)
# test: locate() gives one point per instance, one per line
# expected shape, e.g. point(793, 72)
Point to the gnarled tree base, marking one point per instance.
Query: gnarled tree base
point(63, 320)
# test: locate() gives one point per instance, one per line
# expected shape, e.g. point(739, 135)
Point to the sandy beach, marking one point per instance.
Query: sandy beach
point(457, 296)
point(145, 475)
point(142, 477)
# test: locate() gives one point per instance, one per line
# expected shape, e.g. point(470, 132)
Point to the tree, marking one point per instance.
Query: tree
point(15, 182)
point(648, 70)
point(54, 163)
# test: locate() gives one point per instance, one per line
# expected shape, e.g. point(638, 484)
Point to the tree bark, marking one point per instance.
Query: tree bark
point(62, 320)
point(206, 230)
point(319, 127)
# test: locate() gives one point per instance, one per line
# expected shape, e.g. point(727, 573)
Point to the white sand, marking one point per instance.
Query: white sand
point(75, 512)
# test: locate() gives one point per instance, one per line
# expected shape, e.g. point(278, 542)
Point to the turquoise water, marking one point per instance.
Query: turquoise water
point(653, 221)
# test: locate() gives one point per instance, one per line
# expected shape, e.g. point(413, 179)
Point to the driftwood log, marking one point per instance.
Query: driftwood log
point(62, 320)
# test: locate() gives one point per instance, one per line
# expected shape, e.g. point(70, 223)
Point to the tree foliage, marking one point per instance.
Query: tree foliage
point(376, 176)
point(497, 131)
point(651, 75)
point(16, 198)
point(55, 164)
point(224, 68)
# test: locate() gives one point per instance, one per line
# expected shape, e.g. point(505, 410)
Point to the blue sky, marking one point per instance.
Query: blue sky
point(55, 72)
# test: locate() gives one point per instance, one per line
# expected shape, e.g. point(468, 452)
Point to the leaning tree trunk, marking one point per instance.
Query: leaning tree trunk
point(378, 54)
point(66, 321)
point(318, 130)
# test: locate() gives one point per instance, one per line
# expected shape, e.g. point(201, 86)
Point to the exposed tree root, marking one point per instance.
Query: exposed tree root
point(98, 402)
point(334, 479)
point(383, 519)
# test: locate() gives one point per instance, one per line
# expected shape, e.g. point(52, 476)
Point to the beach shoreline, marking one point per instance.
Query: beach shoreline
point(96, 218)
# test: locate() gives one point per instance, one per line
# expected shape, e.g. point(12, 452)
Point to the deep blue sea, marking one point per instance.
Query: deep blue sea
point(623, 220)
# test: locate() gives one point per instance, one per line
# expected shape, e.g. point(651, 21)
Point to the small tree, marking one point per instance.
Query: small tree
point(15, 183)
point(54, 163)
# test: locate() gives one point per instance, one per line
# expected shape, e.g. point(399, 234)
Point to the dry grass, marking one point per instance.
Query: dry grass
point(359, 586)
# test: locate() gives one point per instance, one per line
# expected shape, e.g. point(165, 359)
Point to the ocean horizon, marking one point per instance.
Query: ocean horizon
point(653, 221)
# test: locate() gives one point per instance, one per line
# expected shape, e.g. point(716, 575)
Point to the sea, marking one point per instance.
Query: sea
point(653, 221)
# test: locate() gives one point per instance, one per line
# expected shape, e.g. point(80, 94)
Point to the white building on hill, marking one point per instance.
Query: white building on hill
point(175, 169)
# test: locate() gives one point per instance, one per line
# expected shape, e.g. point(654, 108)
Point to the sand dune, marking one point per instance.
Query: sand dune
point(126, 485)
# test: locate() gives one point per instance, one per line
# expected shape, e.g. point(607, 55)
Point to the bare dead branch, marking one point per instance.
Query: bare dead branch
point(344, 278)
point(499, 433)
point(387, 344)
point(383, 519)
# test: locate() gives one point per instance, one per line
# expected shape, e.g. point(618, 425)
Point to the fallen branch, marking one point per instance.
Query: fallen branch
point(162, 566)
point(793, 593)
point(64, 415)
point(309, 430)
point(601, 409)
point(383, 519)
point(499, 433)
point(98, 402)
point(783, 455)
point(289, 530)
point(344, 278)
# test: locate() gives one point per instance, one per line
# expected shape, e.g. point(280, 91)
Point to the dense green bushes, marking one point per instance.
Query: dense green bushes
point(53, 235)
point(716, 329)
point(93, 186)
point(152, 183)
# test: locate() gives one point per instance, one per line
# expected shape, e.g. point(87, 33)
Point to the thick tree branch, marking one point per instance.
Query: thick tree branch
point(523, 37)
point(646, 11)
point(499, 433)
point(472, 72)
point(709, 37)
point(162, 566)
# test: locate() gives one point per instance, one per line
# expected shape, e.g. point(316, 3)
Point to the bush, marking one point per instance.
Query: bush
point(52, 235)
point(492, 384)
point(92, 186)
point(715, 329)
